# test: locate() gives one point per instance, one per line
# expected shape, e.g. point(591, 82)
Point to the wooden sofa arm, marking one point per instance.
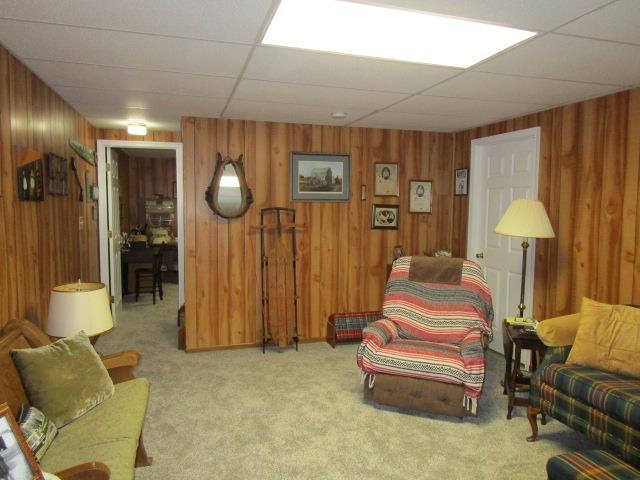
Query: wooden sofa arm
point(120, 365)
point(86, 471)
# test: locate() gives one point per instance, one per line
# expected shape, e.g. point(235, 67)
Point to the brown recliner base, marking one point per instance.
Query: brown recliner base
point(417, 394)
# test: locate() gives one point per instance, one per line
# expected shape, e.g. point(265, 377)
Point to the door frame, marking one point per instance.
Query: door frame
point(476, 183)
point(102, 203)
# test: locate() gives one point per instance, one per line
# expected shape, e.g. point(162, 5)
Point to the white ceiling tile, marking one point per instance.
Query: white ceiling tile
point(619, 22)
point(230, 21)
point(340, 98)
point(536, 15)
point(278, 112)
point(102, 47)
point(344, 71)
point(491, 86)
point(141, 104)
point(570, 58)
point(462, 107)
point(117, 78)
point(412, 121)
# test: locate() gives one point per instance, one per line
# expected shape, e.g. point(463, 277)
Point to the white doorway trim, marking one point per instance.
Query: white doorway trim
point(478, 208)
point(102, 202)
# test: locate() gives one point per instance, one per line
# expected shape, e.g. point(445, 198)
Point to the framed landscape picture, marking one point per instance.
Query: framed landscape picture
point(320, 176)
point(385, 216)
point(420, 196)
point(385, 180)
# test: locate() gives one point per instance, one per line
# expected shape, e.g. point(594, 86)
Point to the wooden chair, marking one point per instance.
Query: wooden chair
point(149, 280)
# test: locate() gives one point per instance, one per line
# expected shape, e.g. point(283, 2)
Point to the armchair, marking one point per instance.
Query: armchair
point(430, 344)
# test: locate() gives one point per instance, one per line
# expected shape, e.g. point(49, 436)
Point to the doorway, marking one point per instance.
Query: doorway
point(131, 204)
point(503, 168)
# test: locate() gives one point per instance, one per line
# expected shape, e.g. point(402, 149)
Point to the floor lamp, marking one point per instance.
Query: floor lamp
point(527, 219)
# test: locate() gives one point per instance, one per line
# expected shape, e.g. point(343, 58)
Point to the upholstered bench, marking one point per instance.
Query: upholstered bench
point(592, 464)
point(347, 327)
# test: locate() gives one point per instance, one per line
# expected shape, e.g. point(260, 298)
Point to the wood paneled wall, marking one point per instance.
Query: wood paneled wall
point(42, 244)
point(589, 179)
point(142, 178)
point(343, 261)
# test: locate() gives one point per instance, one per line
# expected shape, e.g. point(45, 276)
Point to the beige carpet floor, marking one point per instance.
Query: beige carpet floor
point(239, 414)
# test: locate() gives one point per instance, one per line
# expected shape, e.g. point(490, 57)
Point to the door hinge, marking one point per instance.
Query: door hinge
point(108, 167)
point(110, 233)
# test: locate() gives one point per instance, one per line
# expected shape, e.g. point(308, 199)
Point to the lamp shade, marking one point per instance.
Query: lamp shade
point(525, 218)
point(79, 306)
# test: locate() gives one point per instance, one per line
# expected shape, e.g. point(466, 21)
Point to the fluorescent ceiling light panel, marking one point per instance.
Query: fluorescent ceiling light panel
point(371, 31)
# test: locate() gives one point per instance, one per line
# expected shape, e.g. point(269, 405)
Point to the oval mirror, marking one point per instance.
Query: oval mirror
point(228, 195)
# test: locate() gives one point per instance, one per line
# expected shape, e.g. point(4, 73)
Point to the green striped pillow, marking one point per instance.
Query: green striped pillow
point(38, 430)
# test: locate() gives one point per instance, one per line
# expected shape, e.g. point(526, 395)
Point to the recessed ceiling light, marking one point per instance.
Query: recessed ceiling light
point(136, 127)
point(338, 115)
point(371, 31)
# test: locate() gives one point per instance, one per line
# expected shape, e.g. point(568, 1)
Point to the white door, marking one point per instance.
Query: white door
point(114, 235)
point(503, 168)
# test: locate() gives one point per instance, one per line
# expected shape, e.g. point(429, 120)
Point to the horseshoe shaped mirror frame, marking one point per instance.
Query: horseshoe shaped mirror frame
point(213, 191)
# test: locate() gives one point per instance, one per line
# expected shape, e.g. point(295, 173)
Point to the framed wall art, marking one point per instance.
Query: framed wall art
point(57, 174)
point(320, 176)
point(16, 459)
point(385, 180)
point(420, 196)
point(30, 183)
point(462, 181)
point(385, 216)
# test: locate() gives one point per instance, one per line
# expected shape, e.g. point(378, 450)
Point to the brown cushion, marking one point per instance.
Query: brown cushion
point(608, 338)
point(64, 379)
point(559, 331)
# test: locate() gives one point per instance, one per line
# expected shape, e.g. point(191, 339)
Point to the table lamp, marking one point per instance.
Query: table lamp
point(79, 306)
point(527, 219)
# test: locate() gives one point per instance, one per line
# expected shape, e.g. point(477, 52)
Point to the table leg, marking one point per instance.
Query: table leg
point(515, 371)
point(508, 352)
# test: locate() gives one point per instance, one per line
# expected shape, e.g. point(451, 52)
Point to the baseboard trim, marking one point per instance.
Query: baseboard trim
point(214, 348)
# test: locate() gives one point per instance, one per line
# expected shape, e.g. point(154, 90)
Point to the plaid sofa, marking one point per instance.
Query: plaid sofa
point(590, 465)
point(604, 406)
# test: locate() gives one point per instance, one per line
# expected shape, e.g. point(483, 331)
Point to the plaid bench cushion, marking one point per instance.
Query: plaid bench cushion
point(615, 395)
point(589, 465)
point(605, 430)
point(347, 327)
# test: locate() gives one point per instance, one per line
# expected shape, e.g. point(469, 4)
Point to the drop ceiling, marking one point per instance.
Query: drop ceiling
point(161, 59)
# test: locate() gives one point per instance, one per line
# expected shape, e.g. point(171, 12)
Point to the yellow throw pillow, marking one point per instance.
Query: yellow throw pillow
point(608, 338)
point(558, 331)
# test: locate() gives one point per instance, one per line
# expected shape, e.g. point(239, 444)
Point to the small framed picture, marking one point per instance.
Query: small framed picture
point(386, 180)
point(16, 459)
point(420, 196)
point(385, 216)
point(462, 181)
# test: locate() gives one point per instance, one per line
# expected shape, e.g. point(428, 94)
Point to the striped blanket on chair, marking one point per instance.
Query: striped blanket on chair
point(431, 330)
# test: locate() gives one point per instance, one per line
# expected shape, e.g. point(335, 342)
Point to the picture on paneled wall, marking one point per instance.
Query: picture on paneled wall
point(462, 181)
point(57, 174)
point(386, 180)
point(420, 196)
point(385, 216)
point(30, 183)
point(320, 176)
